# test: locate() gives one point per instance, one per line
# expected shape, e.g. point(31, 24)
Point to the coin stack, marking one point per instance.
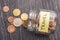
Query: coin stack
point(24, 17)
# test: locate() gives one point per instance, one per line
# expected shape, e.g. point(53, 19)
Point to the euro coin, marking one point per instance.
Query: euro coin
point(24, 16)
point(10, 19)
point(11, 28)
point(17, 22)
point(5, 8)
point(16, 12)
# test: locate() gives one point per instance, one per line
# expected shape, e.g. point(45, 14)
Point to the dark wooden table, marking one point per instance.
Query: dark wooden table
point(26, 6)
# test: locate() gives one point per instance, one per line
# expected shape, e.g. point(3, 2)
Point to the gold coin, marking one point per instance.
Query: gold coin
point(5, 8)
point(17, 22)
point(16, 12)
point(10, 19)
point(11, 28)
point(25, 23)
point(24, 16)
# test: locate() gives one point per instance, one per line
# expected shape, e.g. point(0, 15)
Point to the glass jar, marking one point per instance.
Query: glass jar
point(43, 22)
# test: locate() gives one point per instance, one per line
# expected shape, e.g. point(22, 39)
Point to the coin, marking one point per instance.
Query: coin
point(10, 19)
point(25, 23)
point(16, 12)
point(24, 16)
point(52, 24)
point(17, 22)
point(6, 8)
point(11, 28)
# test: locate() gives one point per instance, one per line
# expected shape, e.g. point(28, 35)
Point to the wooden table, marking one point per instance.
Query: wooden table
point(26, 6)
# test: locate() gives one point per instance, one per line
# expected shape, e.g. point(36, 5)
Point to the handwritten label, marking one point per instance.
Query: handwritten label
point(44, 21)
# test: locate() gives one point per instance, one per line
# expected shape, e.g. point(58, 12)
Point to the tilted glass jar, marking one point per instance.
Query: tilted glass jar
point(43, 22)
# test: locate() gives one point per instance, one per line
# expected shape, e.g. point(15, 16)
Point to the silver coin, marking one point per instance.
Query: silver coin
point(17, 22)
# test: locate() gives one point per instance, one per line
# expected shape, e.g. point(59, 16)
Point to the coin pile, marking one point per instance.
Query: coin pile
point(15, 21)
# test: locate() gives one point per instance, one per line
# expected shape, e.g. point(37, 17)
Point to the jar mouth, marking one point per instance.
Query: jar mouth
point(32, 15)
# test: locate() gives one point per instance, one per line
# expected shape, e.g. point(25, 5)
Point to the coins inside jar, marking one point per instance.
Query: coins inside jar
point(24, 16)
point(31, 26)
point(10, 19)
point(53, 21)
point(5, 8)
point(16, 12)
point(52, 25)
point(11, 28)
point(17, 22)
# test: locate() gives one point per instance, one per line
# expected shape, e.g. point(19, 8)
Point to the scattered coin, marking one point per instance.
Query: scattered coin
point(24, 16)
point(6, 8)
point(17, 22)
point(16, 12)
point(11, 28)
point(10, 19)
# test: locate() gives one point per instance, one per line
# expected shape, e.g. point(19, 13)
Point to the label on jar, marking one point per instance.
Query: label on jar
point(44, 21)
